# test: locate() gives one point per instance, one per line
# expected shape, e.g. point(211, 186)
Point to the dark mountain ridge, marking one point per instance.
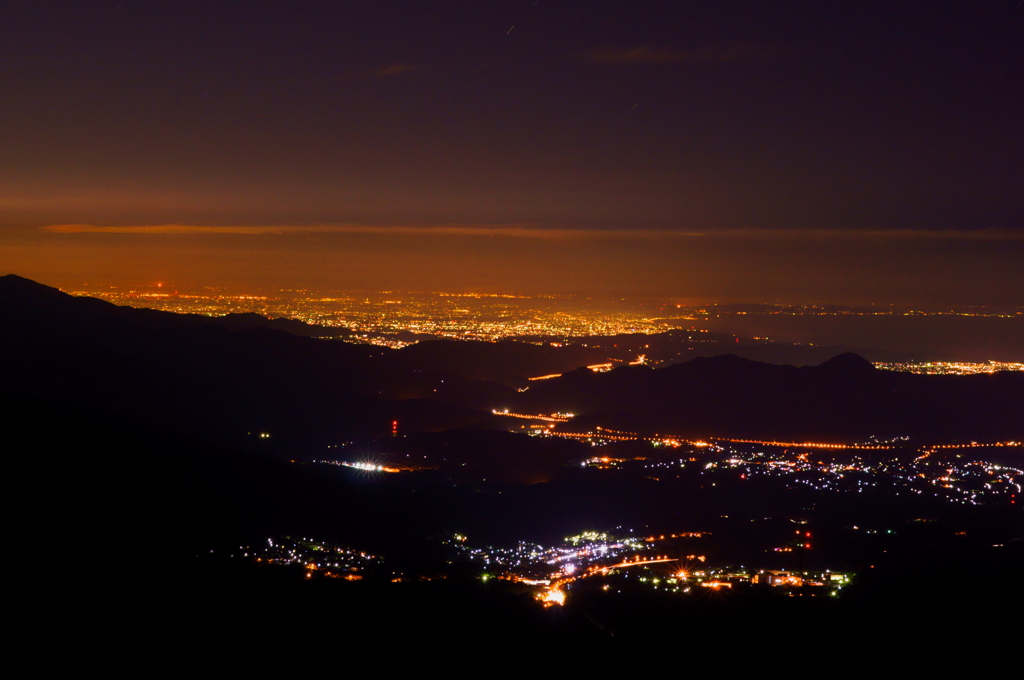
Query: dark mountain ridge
point(233, 380)
point(842, 399)
point(26, 302)
point(202, 379)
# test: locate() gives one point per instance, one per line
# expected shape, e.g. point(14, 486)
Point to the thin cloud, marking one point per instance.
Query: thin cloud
point(533, 231)
point(515, 231)
point(880, 235)
point(157, 229)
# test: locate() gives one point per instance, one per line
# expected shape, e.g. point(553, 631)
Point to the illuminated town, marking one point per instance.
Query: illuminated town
point(938, 471)
point(370, 315)
point(657, 563)
point(322, 558)
point(948, 477)
point(684, 563)
point(397, 319)
point(951, 367)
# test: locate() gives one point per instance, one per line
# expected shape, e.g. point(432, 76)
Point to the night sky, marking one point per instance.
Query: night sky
point(842, 151)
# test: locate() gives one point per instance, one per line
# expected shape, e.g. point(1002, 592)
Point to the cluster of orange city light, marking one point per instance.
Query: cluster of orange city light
point(553, 418)
point(374, 316)
point(605, 433)
point(951, 367)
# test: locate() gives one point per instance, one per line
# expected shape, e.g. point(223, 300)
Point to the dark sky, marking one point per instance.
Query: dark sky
point(850, 151)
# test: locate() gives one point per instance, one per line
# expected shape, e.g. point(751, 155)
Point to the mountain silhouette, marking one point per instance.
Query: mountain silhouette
point(842, 399)
point(231, 380)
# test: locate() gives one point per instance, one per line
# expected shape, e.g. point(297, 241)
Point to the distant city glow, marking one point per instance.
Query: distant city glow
point(951, 367)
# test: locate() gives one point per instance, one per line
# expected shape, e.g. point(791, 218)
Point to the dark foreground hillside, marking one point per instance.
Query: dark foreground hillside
point(142, 525)
point(140, 478)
